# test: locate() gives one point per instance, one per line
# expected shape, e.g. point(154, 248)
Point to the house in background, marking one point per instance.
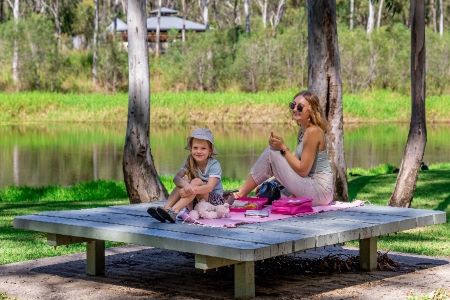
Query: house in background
point(169, 21)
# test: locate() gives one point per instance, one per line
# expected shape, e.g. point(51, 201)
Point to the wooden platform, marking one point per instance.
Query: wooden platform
point(216, 247)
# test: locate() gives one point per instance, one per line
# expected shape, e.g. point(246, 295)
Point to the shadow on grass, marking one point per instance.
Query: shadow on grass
point(165, 274)
point(357, 184)
point(444, 204)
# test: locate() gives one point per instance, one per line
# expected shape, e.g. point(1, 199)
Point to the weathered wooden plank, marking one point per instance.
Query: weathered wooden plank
point(397, 211)
point(281, 243)
point(60, 240)
point(95, 257)
point(205, 262)
point(368, 254)
point(206, 245)
point(244, 280)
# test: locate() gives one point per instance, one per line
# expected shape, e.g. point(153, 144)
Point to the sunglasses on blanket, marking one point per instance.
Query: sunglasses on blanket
point(293, 104)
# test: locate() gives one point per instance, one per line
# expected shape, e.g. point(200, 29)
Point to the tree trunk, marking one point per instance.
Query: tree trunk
point(94, 44)
point(205, 13)
point(417, 136)
point(324, 79)
point(247, 16)
point(2, 12)
point(15, 62)
point(371, 17)
point(441, 17)
point(183, 29)
point(380, 13)
point(263, 6)
point(158, 29)
point(141, 179)
point(280, 13)
point(352, 8)
point(433, 15)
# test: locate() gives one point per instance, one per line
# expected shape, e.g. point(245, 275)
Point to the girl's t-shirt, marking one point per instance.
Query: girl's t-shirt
point(212, 169)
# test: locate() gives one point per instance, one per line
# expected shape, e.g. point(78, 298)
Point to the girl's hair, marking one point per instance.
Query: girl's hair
point(317, 116)
point(191, 163)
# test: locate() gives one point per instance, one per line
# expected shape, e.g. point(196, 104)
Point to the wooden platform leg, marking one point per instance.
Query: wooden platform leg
point(368, 253)
point(95, 257)
point(244, 280)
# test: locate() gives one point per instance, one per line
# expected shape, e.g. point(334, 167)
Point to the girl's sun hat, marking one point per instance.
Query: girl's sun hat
point(202, 134)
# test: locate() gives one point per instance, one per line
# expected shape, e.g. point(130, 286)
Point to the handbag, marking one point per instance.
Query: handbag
point(270, 190)
point(292, 206)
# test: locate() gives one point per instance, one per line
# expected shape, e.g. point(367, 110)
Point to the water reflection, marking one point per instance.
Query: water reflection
point(66, 154)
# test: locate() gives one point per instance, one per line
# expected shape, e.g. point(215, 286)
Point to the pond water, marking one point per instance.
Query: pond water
point(37, 155)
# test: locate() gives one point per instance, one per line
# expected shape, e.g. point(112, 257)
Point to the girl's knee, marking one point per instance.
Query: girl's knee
point(196, 181)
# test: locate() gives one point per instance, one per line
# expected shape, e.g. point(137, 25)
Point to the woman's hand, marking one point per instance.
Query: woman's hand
point(276, 142)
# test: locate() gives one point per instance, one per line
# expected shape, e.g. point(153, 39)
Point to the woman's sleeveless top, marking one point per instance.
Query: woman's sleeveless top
point(321, 163)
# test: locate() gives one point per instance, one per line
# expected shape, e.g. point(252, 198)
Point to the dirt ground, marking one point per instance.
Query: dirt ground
point(134, 272)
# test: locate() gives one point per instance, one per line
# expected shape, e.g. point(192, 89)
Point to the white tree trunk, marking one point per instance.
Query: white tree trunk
point(158, 29)
point(140, 176)
point(371, 17)
point(433, 15)
point(352, 8)
point(441, 17)
point(94, 44)
point(247, 16)
point(280, 12)
point(380, 13)
point(263, 7)
point(205, 12)
point(15, 62)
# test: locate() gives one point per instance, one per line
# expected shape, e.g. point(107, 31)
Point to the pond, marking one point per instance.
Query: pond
point(37, 155)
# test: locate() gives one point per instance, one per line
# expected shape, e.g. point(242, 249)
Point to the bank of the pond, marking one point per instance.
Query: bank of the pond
point(374, 186)
point(202, 107)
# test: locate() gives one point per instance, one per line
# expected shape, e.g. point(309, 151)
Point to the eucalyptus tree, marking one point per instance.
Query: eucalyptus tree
point(417, 136)
point(247, 16)
point(371, 17)
point(204, 7)
point(140, 176)
point(441, 17)
point(158, 29)
point(324, 79)
point(95, 43)
point(380, 13)
point(15, 62)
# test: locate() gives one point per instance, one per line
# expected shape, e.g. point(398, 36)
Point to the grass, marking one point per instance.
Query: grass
point(203, 107)
point(374, 185)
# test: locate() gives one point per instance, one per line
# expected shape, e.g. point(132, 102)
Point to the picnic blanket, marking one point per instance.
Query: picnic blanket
point(238, 218)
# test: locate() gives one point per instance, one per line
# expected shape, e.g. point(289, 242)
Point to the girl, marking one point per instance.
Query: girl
point(199, 178)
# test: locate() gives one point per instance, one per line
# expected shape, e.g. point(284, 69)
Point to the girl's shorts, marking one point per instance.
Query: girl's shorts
point(215, 198)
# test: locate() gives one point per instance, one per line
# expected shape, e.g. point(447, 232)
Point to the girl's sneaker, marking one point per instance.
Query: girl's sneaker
point(153, 212)
point(168, 215)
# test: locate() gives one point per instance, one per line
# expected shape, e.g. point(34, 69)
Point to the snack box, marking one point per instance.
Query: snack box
point(259, 204)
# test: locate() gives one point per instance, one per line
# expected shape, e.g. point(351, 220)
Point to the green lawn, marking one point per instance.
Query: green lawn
point(220, 107)
point(374, 186)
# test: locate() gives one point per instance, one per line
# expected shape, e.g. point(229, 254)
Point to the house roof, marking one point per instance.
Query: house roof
point(169, 20)
point(173, 22)
point(120, 26)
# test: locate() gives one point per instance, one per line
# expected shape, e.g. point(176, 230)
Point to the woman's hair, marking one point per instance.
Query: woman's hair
point(317, 116)
point(191, 165)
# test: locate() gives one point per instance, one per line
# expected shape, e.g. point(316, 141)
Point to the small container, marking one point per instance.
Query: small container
point(259, 204)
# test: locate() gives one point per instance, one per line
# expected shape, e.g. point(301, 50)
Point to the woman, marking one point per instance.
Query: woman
point(307, 171)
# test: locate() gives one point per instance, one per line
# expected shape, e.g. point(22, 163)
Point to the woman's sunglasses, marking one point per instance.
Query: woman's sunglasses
point(293, 104)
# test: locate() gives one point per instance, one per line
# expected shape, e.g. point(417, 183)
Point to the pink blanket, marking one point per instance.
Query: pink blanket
point(238, 218)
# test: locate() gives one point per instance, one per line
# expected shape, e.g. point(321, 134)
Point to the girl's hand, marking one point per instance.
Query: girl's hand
point(276, 142)
point(187, 191)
